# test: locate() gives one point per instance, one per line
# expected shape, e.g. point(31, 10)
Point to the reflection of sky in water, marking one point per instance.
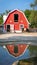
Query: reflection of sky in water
point(7, 59)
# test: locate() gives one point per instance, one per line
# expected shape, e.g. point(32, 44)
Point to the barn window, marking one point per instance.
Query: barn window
point(15, 17)
point(15, 49)
point(22, 27)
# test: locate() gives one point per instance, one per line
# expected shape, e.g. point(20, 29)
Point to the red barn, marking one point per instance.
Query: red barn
point(16, 21)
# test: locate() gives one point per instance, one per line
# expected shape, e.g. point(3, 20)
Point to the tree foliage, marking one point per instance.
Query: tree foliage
point(27, 13)
point(33, 15)
point(33, 19)
point(34, 4)
point(1, 15)
point(1, 19)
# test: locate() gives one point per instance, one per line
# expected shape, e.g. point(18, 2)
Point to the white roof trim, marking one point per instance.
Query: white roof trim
point(24, 16)
point(19, 11)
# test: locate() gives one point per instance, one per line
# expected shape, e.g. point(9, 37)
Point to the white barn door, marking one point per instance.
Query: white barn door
point(12, 28)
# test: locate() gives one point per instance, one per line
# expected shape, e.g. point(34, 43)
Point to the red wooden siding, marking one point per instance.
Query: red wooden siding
point(21, 20)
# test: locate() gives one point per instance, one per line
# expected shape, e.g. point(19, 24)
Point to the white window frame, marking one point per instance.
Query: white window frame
point(21, 27)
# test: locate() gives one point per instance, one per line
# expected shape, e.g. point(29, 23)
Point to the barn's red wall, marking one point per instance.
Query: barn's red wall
point(21, 20)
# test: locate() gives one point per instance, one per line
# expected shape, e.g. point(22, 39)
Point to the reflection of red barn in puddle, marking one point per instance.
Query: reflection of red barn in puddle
point(16, 21)
point(17, 50)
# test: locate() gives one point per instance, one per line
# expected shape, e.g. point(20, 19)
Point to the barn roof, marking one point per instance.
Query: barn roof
point(14, 11)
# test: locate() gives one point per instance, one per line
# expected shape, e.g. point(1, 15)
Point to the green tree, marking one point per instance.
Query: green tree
point(33, 19)
point(27, 13)
point(33, 15)
point(34, 4)
point(1, 20)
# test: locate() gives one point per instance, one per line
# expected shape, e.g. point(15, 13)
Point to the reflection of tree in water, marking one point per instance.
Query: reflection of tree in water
point(29, 61)
point(33, 50)
point(24, 63)
point(33, 57)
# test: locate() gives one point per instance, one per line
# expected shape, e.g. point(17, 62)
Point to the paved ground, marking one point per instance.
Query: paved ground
point(20, 38)
point(3, 36)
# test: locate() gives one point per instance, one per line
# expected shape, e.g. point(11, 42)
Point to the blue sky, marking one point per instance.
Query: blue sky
point(14, 4)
